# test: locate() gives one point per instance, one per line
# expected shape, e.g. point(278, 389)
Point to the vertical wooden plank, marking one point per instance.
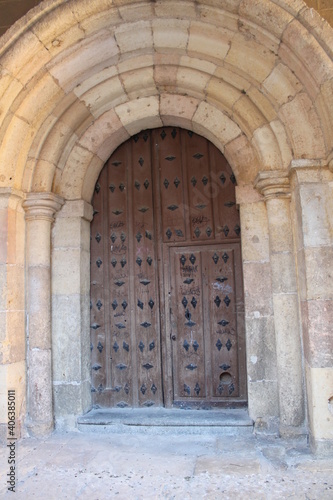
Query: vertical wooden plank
point(146, 299)
point(219, 266)
point(171, 184)
point(199, 187)
point(227, 214)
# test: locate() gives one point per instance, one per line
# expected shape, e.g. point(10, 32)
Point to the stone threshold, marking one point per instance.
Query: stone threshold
point(164, 421)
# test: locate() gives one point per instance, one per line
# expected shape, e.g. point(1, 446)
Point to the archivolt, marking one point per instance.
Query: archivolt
point(80, 77)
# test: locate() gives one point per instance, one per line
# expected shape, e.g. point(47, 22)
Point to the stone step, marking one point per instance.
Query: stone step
point(166, 421)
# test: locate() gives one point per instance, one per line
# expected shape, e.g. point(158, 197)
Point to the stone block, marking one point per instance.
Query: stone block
point(105, 130)
point(214, 125)
point(192, 82)
point(133, 12)
point(263, 399)
point(170, 34)
point(217, 16)
point(244, 159)
point(208, 41)
point(74, 173)
point(283, 273)
point(139, 83)
point(320, 393)
point(9, 90)
point(255, 242)
point(134, 36)
point(40, 383)
point(39, 307)
point(222, 94)
point(260, 348)
point(3, 235)
point(25, 57)
point(324, 101)
point(319, 339)
point(178, 9)
point(139, 114)
point(12, 376)
point(250, 58)
point(309, 51)
point(283, 142)
point(68, 399)
point(100, 98)
point(71, 233)
point(257, 289)
point(13, 346)
point(228, 5)
point(280, 234)
point(15, 287)
point(319, 272)
point(316, 216)
point(270, 16)
point(66, 338)
point(96, 16)
point(262, 102)
point(304, 128)
point(265, 142)
point(173, 107)
point(87, 58)
point(16, 133)
point(66, 279)
point(248, 116)
point(282, 84)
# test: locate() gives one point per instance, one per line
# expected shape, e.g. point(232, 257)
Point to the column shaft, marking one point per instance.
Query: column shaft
point(40, 208)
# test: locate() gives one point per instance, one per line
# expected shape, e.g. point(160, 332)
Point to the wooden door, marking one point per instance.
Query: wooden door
point(166, 281)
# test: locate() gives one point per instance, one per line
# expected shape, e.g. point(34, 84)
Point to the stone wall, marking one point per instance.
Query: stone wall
point(255, 77)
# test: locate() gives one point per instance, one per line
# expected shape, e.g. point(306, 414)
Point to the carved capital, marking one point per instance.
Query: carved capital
point(42, 206)
point(273, 184)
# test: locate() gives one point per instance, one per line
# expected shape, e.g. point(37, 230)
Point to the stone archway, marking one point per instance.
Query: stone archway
point(75, 85)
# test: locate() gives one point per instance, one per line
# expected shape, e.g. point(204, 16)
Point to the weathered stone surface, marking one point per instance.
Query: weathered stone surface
point(261, 349)
point(263, 399)
point(318, 339)
point(319, 272)
point(170, 34)
point(319, 385)
point(208, 41)
point(177, 110)
point(317, 222)
point(139, 114)
point(39, 307)
point(210, 119)
point(257, 289)
point(303, 127)
point(255, 242)
point(282, 84)
point(131, 36)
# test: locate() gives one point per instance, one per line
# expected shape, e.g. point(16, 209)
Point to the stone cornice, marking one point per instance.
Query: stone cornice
point(273, 184)
point(42, 206)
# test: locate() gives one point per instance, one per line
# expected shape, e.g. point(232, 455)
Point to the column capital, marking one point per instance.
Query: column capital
point(42, 206)
point(273, 184)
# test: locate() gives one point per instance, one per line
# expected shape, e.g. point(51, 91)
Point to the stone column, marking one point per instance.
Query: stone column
point(275, 187)
point(40, 209)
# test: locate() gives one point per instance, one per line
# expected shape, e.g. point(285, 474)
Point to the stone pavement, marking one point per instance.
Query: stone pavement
point(98, 466)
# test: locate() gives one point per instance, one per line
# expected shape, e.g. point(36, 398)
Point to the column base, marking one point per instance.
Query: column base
point(39, 429)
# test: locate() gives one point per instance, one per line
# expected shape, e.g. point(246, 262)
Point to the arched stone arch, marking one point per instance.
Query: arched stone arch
point(79, 77)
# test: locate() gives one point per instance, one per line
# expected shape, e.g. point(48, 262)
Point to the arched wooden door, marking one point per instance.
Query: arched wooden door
point(167, 317)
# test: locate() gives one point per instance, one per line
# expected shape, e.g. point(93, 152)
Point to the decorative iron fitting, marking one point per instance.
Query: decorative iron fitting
point(273, 184)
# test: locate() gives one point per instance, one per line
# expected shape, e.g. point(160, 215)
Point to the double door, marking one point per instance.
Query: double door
point(166, 281)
